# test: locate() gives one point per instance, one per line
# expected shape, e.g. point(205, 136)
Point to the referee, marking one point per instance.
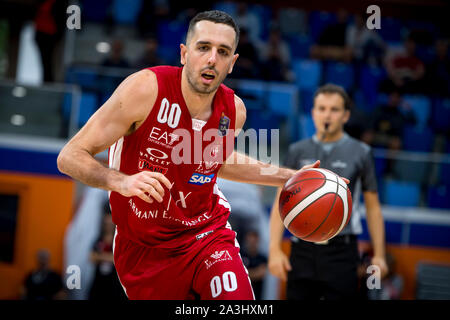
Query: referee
point(328, 270)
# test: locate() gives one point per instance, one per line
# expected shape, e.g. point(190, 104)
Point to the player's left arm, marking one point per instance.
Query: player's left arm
point(242, 168)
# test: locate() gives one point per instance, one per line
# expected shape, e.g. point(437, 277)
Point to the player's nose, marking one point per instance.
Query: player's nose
point(213, 57)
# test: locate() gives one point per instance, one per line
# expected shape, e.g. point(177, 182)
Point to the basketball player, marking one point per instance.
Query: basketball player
point(329, 270)
point(172, 239)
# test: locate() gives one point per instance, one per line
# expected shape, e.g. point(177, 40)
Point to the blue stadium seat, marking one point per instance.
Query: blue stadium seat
point(369, 79)
point(299, 46)
point(281, 102)
point(257, 120)
point(308, 73)
point(88, 105)
point(253, 93)
point(380, 166)
point(417, 139)
point(318, 21)
point(126, 11)
point(444, 173)
point(339, 73)
point(441, 115)
point(170, 55)
point(67, 106)
point(439, 197)
point(359, 100)
point(171, 34)
point(226, 6)
point(85, 77)
point(263, 13)
point(391, 29)
point(412, 171)
point(421, 106)
point(397, 193)
point(306, 126)
point(307, 100)
point(96, 11)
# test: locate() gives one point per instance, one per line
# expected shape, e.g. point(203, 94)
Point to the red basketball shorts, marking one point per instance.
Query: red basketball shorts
point(212, 269)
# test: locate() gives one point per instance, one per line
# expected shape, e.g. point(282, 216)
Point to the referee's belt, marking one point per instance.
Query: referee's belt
point(345, 238)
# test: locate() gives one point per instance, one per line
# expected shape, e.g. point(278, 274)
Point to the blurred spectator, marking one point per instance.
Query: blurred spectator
point(405, 71)
point(366, 45)
point(116, 59)
point(254, 261)
point(332, 41)
point(276, 58)
point(357, 124)
point(43, 283)
point(391, 285)
point(150, 14)
point(150, 56)
point(247, 66)
point(388, 122)
point(106, 285)
point(50, 24)
point(438, 71)
point(249, 21)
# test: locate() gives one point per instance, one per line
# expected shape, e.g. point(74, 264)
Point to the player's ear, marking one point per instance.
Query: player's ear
point(232, 63)
point(183, 51)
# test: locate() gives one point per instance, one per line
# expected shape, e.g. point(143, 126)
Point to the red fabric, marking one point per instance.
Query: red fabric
point(44, 21)
point(405, 62)
point(212, 269)
point(188, 209)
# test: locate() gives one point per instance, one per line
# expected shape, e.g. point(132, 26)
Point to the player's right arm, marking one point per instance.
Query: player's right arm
point(121, 115)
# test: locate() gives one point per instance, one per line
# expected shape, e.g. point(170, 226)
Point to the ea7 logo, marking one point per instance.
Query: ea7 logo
point(200, 179)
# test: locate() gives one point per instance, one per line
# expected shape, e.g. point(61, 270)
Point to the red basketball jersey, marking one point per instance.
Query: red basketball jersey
point(167, 142)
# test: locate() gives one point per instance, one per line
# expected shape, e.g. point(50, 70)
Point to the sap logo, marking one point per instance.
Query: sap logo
point(200, 179)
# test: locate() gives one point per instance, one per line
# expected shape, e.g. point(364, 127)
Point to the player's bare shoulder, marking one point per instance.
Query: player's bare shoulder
point(241, 113)
point(136, 96)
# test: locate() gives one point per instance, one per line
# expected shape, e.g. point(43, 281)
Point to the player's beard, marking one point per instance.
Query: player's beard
point(199, 87)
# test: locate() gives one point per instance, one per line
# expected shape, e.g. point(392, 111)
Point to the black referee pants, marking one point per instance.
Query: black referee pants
point(324, 271)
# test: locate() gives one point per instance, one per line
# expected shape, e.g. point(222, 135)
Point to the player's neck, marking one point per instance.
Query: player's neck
point(199, 105)
point(330, 137)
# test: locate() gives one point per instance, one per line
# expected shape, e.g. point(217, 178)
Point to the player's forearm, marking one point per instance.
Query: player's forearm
point(242, 168)
point(81, 165)
point(276, 226)
point(375, 225)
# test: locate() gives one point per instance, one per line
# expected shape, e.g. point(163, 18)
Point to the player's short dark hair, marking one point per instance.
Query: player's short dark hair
point(333, 88)
point(215, 16)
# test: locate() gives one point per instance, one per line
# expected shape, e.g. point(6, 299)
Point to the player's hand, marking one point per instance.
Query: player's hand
point(145, 185)
point(381, 263)
point(316, 165)
point(279, 264)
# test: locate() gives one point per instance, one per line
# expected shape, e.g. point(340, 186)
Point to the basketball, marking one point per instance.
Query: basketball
point(315, 205)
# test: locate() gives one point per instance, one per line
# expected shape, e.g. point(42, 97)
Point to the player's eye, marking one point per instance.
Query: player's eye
point(223, 52)
point(203, 48)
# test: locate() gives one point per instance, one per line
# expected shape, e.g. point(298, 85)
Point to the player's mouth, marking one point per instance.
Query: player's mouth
point(208, 77)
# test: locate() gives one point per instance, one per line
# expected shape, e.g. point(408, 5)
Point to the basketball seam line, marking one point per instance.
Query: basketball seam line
point(308, 207)
point(323, 183)
point(328, 214)
point(343, 186)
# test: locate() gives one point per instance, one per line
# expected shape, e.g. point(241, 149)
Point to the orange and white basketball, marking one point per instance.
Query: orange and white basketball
point(315, 205)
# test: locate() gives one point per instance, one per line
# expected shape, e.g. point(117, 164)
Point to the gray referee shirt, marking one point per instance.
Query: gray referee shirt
point(347, 157)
